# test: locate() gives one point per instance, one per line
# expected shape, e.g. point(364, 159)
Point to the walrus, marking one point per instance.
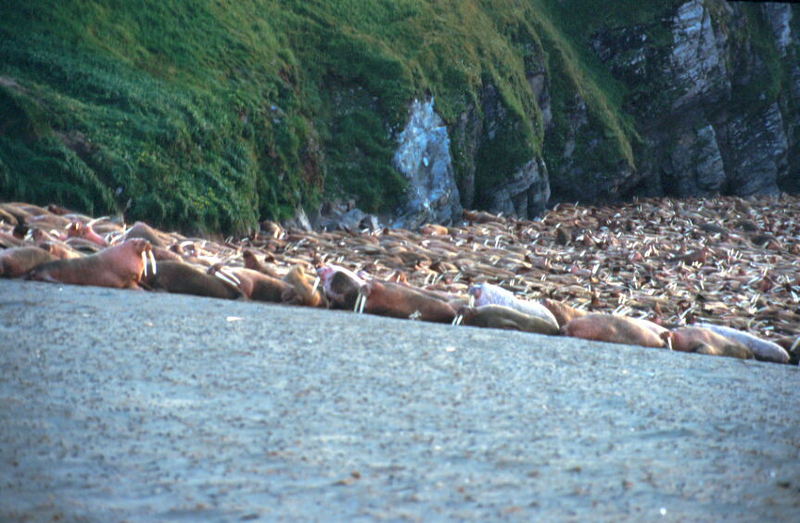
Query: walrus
point(9, 240)
point(255, 285)
point(183, 278)
point(48, 221)
point(400, 301)
point(763, 350)
point(85, 231)
point(303, 292)
point(59, 249)
point(502, 317)
point(705, 341)
point(142, 230)
point(562, 312)
point(7, 217)
point(17, 261)
point(653, 327)
point(341, 286)
point(120, 266)
point(613, 329)
point(162, 254)
point(432, 229)
point(251, 262)
point(488, 294)
point(480, 216)
point(83, 245)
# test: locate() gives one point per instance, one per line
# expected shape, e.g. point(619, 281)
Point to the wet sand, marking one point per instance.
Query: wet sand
point(132, 405)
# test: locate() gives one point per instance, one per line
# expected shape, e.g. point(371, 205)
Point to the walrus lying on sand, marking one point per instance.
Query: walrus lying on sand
point(121, 266)
point(613, 329)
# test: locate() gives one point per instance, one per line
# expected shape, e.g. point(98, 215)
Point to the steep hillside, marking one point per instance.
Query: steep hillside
point(208, 115)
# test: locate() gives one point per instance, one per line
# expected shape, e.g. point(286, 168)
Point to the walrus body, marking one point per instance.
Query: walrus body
point(341, 286)
point(252, 263)
point(17, 261)
point(705, 341)
point(400, 301)
point(763, 350)
point(257, 286)
point(562, 312)
point(182, 278)
point(120, 266)
point(502, 317)
point(303, 290)
point(613, 329)
point(487, 294)
point(142, 230)
point(82, 230)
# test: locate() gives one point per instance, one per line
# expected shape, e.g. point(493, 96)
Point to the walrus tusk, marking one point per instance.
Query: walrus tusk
point(145, 262)
point(152, 261)
point(458, 319)
point(316, 286)
point(361, 302)
point(471, 300)
point(363, 305)
point(232, 276)
point(92, 222)
point(226, 278)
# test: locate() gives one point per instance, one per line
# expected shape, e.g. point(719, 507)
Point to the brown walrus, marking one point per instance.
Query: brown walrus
point(183, 278)
point(255, 285)
point(399, 301)
point(613, 329)
point(17, 261)
point(59, 249)
point(82, 230)
point(251, 262)
point(563, 312)
point(502, 317)
point(142, 230)
point(120, 266)
point(705, 341)
point(763, 350)
point(341, 286)
point(304, 292)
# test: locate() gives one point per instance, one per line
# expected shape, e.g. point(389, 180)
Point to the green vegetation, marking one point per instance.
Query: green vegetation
point(208, 115)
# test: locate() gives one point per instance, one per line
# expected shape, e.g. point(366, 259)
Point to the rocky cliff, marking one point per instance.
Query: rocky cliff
point(211, 115)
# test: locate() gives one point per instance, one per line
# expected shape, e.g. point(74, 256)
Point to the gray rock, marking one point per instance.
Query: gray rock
point(423, 156)
point(697, 63)
point(697, 164)
point(756, 155)
point(300, 221)
point(779, 18)
point(705, 128)
point(525, 194)
point(342, 218)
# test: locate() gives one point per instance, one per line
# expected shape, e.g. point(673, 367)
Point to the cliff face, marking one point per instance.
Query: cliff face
point(716, 103)
point(209, 115)
point(711, 89)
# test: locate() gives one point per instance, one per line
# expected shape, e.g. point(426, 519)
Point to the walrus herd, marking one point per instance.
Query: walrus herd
point(717, 276)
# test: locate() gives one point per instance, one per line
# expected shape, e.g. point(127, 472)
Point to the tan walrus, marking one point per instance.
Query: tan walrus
point(612, 329)
point(121, 265)
point(705, 341)
point(17, 261)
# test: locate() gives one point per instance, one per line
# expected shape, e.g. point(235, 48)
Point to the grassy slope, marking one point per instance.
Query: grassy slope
point(209, 115)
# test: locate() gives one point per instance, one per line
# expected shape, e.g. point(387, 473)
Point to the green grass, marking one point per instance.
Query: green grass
point(208, 115)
